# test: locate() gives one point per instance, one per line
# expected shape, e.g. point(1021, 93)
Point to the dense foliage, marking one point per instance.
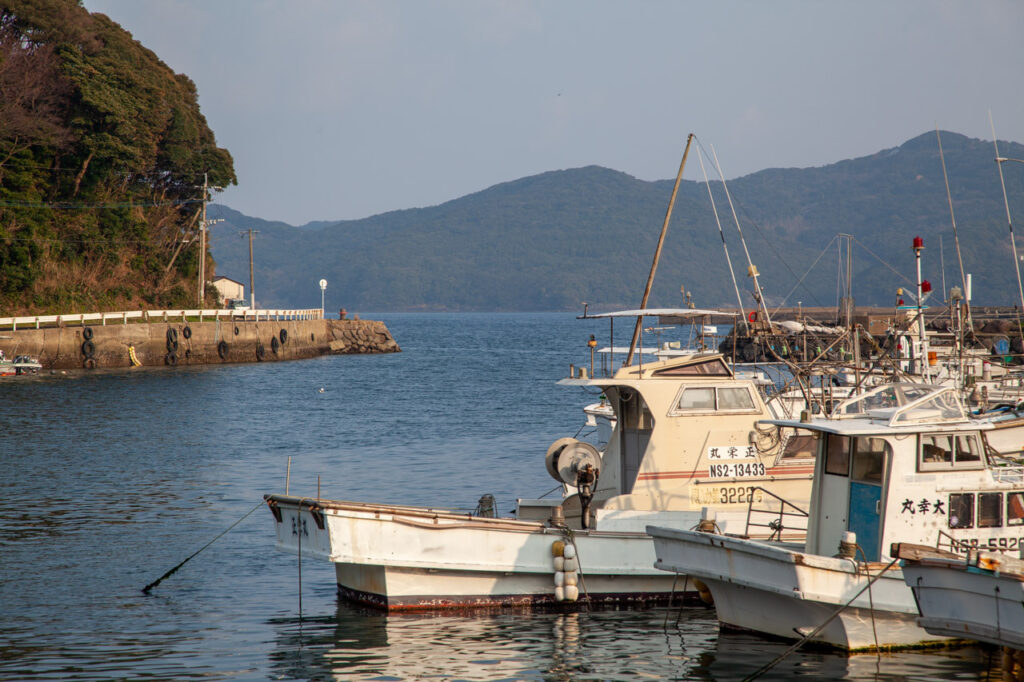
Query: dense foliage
point(552, 241)
point(102, 147)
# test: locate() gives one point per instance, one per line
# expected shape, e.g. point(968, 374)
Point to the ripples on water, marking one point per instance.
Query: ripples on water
point(111, 478)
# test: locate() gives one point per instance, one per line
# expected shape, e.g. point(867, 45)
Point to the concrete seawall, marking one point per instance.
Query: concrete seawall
point(195, 343)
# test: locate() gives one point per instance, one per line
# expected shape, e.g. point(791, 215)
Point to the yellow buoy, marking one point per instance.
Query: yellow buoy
point(557, 548)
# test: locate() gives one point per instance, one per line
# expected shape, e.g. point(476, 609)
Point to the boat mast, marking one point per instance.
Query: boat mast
point(1009, 221)
point(956, 238)
point(657, 253)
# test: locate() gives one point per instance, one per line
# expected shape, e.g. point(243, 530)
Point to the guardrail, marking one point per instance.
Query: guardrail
point(81, 319)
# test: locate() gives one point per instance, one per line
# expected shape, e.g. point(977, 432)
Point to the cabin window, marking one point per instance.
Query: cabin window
point(697, 399)
point(1015, 509)
point(947, 451)
point(868, 459)
point(961, 510)
point(837, 455)
point(800, 446)
point(712, 367)
point(710, 398)
point(990, 510)
point(735, 399)
point(967, 450)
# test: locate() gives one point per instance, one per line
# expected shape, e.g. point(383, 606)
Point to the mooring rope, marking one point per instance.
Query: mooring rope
point(168, 574)
point(762, 670)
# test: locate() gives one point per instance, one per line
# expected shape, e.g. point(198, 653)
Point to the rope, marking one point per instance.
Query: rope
point(168, 574)
point(571, 537)
point(762, 670)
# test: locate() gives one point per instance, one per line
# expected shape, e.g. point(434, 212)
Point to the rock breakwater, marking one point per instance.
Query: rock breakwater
point(184, 342)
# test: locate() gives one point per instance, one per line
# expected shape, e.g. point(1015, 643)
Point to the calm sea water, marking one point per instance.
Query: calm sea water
point(109, 479)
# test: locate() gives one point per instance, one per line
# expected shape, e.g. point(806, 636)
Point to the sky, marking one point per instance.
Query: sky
point(342, 109)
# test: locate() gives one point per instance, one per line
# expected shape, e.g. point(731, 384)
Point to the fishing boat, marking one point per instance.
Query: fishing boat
point(684, 438)
point(902, 463)
point(975, 594)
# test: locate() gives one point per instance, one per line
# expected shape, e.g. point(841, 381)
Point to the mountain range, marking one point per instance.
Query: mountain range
point(554, 240)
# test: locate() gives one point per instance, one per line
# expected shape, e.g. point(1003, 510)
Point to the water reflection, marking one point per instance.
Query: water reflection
point(553, 645)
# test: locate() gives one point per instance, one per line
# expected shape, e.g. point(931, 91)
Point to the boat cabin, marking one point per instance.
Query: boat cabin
point(685, 437)
point(905, 463)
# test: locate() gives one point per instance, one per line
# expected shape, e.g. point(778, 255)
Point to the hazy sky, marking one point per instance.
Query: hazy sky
point(339, 109)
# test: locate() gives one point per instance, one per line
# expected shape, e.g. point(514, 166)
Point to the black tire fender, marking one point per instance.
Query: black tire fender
point(261, 352)
point(88, 348)
point(187, 332)
point(89, 363)
point(171, 359)
point(222, 349)
point(284, 336)
point(274, 345)
point(87, 333)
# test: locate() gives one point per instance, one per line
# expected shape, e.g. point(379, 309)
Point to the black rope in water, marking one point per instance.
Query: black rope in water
point(168, 574)
point(762, 670)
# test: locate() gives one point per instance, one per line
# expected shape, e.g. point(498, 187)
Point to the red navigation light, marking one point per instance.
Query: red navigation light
point(926, 286)
point(918, 243)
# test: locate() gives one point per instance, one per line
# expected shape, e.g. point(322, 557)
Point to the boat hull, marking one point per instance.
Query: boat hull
point(789, 594)
point(416, 558)
point(960, 601)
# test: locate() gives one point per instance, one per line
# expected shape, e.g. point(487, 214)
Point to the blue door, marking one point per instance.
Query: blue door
point(865, 502)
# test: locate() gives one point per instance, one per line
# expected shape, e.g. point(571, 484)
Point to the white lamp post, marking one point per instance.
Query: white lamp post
point(323, 288)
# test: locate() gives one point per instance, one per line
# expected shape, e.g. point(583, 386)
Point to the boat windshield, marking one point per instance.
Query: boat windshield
point(888, 396)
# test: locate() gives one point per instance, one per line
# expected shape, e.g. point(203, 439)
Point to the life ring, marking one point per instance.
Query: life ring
point(87, 333)
point(172, 335)
point(171, 359)
point(284, 335)
point(88, 348)
point(261, 352)
point(187, 332)
point(89, 363)
point(752, 317)
point(172, 345)
point(274, 344)
point(236, 330)
point(222, 349)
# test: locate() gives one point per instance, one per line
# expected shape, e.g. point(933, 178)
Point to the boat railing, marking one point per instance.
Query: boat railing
point(785, 516)
point(950, 544)
point(1008, 474)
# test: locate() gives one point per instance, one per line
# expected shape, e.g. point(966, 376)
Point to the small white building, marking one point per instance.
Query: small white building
point(229, 289)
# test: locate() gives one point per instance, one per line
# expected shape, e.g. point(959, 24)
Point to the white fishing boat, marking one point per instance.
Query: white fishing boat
point(900, 463)
point(684, 438)
point(977, 595)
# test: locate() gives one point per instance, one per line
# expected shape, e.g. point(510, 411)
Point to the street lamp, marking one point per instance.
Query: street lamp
point(323, 289)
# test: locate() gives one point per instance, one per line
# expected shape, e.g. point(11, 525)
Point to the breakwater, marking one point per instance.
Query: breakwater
point(185, 342)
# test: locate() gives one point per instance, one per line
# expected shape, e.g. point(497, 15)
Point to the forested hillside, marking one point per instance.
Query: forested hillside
point(102, 148)
point(552, 241)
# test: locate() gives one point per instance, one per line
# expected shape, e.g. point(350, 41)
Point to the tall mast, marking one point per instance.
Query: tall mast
point(1009, 221)
point(657, 252)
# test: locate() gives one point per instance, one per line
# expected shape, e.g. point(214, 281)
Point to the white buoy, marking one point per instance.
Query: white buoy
point(560, 594)
point(559, 579)
point(569, 552)
point(570, 578)
point(559, 563)
point(572, 593)
point(570, 565)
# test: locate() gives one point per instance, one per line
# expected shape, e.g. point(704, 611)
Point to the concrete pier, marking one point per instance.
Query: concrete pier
point(195, 343)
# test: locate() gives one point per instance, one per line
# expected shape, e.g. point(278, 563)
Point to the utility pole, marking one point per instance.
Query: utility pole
point(202, 246)
point(203, 224)
point(252, 285)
